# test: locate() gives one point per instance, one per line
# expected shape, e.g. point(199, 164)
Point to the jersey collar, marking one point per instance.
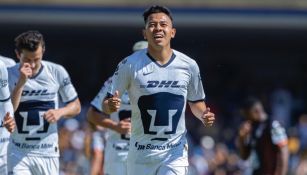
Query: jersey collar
point(164, 65)
point(39, 72)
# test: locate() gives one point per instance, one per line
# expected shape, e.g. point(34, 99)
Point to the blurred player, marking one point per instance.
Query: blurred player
point(36, 86)
point(159, 81)
point(9, 62)
point(94, 147)
point(6, 110)
point(117, 142)
point(262, 140)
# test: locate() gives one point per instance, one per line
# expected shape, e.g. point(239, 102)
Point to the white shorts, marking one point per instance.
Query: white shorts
point(3, 165)
point(154, 169)
point(30, 165)
point(115, 168)
point(115, 162)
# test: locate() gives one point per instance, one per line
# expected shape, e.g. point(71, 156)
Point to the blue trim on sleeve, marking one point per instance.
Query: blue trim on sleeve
point(195, 101)
point(71, 100)
point(4, 100)
point(109, 95)
point(96, 109)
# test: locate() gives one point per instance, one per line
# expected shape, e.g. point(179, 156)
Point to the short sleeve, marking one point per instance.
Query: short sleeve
point(121, 78)
point(4, 84)
point(67, 90)
point(97, 101)
point(195, 87)
point(278, 134)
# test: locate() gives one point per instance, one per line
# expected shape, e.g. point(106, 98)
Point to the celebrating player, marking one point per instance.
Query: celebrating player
point(262, 139)
point(119, 127)
point(36, 86)
point(6, 110)
point(159, 81)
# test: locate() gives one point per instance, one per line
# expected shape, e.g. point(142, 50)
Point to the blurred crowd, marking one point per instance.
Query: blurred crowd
point(212, 151)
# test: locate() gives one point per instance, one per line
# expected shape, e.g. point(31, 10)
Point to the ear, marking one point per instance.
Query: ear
point(173, 33)
point(17, 54)
point(144, 34)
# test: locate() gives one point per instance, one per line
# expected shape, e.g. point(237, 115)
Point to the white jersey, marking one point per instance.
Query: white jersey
point(9, 62)
point(117, 145)
point(158, 96)
point(35, 136)
point(5, 106)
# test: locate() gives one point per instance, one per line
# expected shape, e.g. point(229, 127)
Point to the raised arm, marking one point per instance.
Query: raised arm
point(25, 73)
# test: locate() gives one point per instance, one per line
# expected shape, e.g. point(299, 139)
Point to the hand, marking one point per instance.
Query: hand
point(208, 118)
point(25, 73)
point(52, 115)
point(245, 130)
point(112, 104)
point(123, 126)
point(9, 122)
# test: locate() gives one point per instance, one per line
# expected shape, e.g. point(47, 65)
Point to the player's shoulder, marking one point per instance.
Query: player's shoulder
point(14, 69)
point(185, 60)
point(2, 65)
point(8, 62)
point(53, 67)
point(2, 68)
point(183, 57)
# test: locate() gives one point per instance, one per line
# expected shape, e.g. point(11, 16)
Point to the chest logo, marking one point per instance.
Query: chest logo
point(162, 84)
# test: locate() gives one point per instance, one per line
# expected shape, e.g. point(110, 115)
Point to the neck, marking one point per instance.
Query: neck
point(161, 55)
point(36, 71)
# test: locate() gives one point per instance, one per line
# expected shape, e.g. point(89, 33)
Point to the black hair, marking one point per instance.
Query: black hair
point(249, 102)
point(30, 41)
point(156, 9)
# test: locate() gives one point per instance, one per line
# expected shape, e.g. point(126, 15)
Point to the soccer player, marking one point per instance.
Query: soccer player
point(118, 124)
point(262, 140)
point(6, 110)
point(9, 62)
point(159, 81)
point(36, 86)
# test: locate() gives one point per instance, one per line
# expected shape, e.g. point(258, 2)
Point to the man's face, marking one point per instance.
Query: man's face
point(256, 112)
point(159, 30)
point(33, 58)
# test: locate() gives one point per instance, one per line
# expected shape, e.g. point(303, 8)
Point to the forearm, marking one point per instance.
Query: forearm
point(100, 119)
point(282, 161)
point(16, 95)
point(71, 109)
point(198, 109)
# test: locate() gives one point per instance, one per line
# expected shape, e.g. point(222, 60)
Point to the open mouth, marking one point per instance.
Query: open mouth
point(158, 36)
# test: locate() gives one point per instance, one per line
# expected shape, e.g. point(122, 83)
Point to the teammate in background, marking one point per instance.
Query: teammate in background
point(118, 124)
point(262, 140)
point(9, 62)
point(6, 111)
point(6, 106)
point(159, 81)
point(36, 86)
